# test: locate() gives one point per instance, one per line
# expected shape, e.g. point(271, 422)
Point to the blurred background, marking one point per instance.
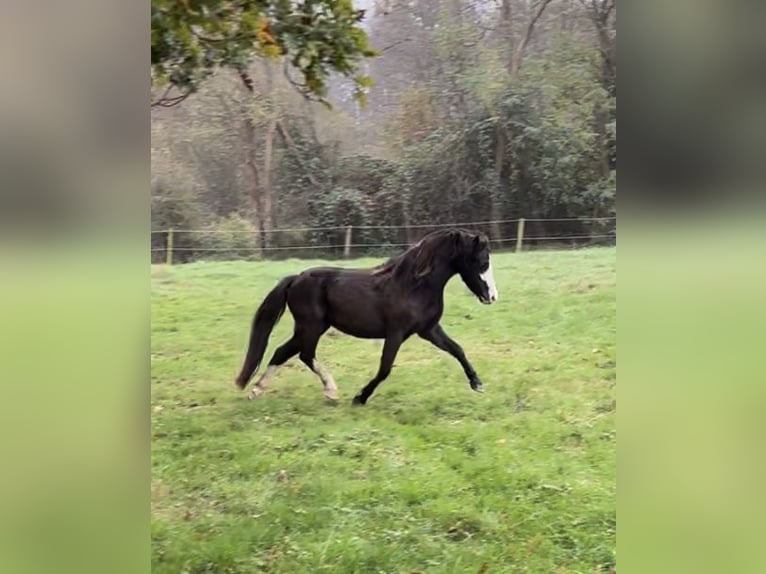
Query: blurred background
point(472, 112)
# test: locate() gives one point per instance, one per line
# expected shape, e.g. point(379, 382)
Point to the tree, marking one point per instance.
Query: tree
point(503, 161)
point(191, 38)
point(482, 110)
point(601, 13)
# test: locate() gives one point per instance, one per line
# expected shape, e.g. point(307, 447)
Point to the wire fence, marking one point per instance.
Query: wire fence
point(345, 241)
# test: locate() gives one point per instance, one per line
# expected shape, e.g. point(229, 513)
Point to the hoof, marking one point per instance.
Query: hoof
point(477, 386)
point(331, 395)
point(358, 401)
point(255, 392)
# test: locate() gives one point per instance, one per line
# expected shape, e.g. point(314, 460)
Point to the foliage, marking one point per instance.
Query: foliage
point(602, 194)
point(231, 237)
point(191, 38)
point(429, 476)
point(414, 120)
point(383, 195)
point(341, 206)
point(337, 208)
point(552, 117)
point(174, 208)
point(451, 135)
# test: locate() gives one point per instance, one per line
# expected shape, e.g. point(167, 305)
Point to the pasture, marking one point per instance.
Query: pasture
point(429, 476)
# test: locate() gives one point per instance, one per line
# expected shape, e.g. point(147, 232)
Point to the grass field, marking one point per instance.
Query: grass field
point(429, 476)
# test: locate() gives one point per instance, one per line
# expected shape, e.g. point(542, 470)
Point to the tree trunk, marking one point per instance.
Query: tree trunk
point(503, 182)
point(518, 53)
point(252, 164)
point(599, 13)
point(267, 204)
point(503, 161)
point(291, 144)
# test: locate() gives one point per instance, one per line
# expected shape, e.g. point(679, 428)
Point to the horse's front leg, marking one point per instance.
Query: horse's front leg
point(440, 339)
point(390, 348)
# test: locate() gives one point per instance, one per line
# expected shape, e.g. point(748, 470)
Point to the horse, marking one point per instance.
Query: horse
point(393, 301)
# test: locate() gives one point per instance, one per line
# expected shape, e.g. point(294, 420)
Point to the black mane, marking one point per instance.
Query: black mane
point(419, 259)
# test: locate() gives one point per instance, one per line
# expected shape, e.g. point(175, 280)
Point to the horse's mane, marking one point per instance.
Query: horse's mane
point(418, 261)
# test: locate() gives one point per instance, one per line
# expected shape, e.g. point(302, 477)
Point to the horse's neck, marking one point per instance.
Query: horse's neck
point(441, 275)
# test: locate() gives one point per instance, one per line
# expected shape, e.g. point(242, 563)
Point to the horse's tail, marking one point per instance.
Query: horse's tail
point(266, 317)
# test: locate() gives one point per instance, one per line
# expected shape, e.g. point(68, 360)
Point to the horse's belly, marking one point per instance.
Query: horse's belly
point(356, 312)
point(363, 323)
point(362, 332)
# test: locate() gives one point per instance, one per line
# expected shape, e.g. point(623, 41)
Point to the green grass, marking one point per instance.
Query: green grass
point(429, 476)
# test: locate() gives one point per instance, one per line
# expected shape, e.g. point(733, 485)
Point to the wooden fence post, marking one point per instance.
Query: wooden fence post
point(169, 248)
point(520, 235)
point(347, 245)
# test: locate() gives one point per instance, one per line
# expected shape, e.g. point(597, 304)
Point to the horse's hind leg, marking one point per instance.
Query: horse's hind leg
point(280, 356)
point(309, 339)
point(330, 388)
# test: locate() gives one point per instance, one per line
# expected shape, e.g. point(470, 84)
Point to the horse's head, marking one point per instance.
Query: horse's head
point(472, 262)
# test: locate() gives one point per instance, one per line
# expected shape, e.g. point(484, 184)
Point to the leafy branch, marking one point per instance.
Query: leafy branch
point(190, 40)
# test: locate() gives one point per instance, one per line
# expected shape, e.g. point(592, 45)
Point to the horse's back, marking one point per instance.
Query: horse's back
point(348, 299)
point(327, 271)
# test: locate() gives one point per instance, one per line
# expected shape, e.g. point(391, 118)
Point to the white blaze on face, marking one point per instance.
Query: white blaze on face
point(489, 280)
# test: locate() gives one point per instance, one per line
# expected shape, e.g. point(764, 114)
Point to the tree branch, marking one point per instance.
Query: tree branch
point(395, 44)
point(478, 40)
point(599, 10)
point(519, 53)
point(202, 38)
point(246, 79)
point(290, 143)
point(302, 89)
point(167, 102)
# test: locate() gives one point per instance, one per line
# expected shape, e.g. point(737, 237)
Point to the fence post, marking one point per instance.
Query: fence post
point(520, 235)
point(169, 248)
point(347, 245)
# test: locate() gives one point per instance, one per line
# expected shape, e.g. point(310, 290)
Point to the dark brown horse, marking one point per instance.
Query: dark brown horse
point(393, 301)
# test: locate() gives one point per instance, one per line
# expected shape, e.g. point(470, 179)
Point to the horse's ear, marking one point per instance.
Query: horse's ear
point(479, 243)
point(457, 241)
